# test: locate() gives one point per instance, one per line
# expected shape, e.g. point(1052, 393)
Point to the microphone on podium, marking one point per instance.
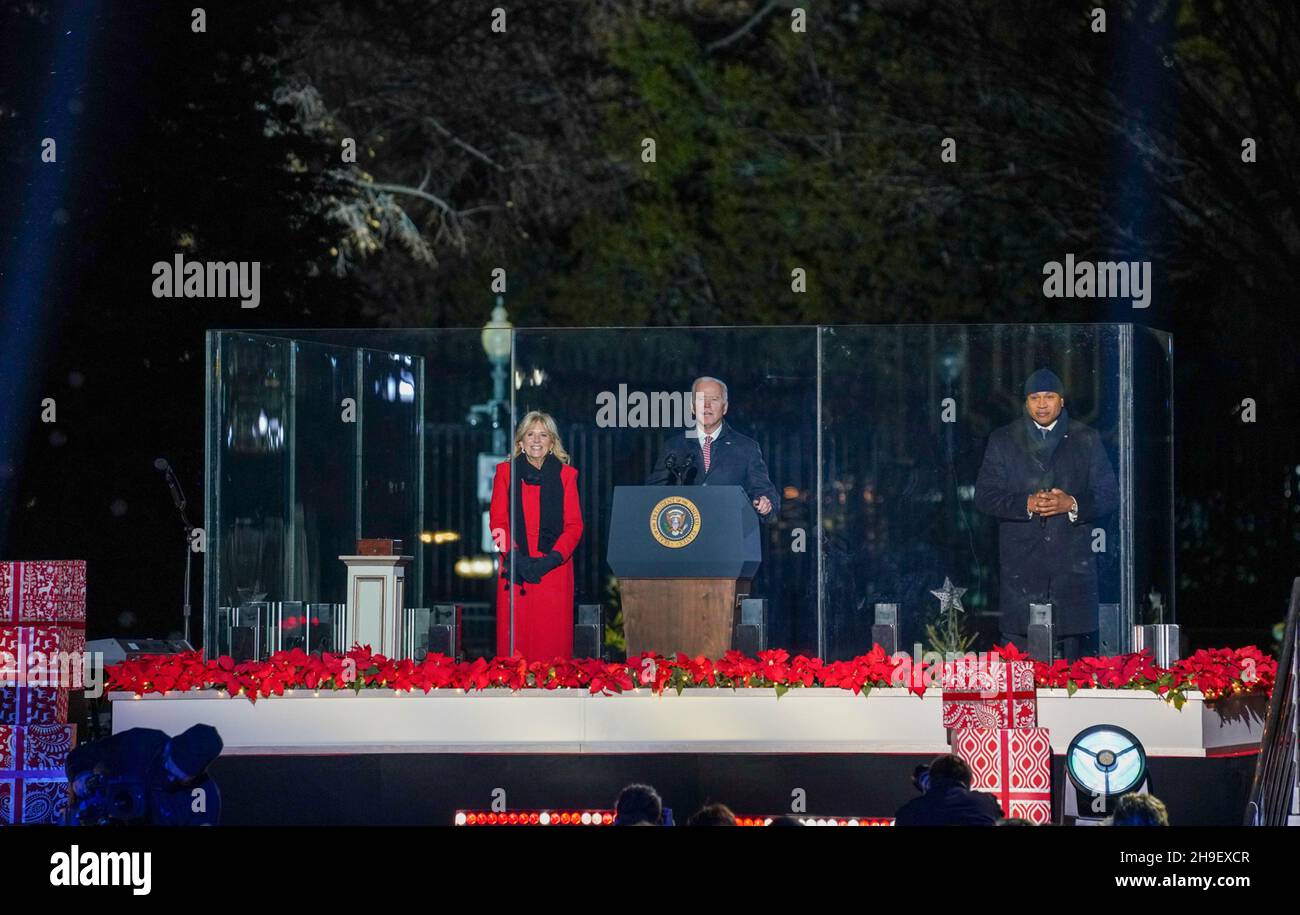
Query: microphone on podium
point(678, 466)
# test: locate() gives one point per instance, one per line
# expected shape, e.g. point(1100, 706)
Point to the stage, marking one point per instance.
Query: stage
point(378, 757)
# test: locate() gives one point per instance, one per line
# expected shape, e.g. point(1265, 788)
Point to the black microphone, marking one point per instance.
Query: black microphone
point(670, 464)
point(688, 466)
point(161, 465)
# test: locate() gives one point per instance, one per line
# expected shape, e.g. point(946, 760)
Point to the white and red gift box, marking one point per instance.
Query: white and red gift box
point(33, 781)
point(1012, 764)
point(43, 592)
point(32, 798)
point(997, 694)
point(42, 639)
point(33, 705)
point(38, 665)
point(35, 746)
point(45, 641)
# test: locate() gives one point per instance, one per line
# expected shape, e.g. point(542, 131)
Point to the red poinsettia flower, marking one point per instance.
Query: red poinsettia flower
point(1215, 672)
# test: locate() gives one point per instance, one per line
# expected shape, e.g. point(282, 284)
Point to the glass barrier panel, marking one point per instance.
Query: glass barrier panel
point(928, 472)
point(621, 400)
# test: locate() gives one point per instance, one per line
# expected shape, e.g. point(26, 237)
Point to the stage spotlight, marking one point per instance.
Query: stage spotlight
point(1103, 762)
point(606, 818)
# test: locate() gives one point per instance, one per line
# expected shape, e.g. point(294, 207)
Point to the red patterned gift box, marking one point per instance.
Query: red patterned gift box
point(997, 694)
point(33, 705)
point(36, 746)
point(42, 656)
point(41, 797)
point(33, 784)
point(42, 592)
point(1012, 764)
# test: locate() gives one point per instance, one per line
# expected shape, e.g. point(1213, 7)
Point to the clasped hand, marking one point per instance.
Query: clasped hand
point(530, 569)
point(1049, 502)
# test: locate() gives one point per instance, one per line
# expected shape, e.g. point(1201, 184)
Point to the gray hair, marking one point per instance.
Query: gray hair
point(718, 381)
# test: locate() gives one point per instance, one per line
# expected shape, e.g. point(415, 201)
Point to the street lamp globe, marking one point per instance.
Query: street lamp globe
point(496, 334)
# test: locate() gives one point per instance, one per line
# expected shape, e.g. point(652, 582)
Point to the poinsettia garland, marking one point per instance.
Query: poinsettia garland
point(1215, 672)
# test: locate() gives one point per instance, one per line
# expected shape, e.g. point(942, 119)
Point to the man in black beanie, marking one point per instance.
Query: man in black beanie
point(142, 777)
point(1048, 481)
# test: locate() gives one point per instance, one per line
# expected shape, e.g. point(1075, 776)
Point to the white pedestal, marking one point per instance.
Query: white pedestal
point(376, 596)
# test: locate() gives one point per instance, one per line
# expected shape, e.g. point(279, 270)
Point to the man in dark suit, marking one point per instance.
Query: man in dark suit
point(715, 454)
point(948, 800)
point(1048, 481)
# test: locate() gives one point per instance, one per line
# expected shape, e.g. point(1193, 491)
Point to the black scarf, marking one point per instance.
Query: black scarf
point(1043, 450)
point(551, 523)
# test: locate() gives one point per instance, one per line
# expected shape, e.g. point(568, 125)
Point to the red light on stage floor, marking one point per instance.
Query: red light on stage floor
point(535, 818)
point(606, 818)
point(818, 821)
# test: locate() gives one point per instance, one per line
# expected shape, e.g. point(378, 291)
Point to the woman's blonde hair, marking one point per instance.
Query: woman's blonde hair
point(537, 416)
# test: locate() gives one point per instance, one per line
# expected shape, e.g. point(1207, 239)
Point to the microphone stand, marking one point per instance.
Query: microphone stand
point(178, 497)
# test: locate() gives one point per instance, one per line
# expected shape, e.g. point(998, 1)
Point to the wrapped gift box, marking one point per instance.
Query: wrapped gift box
point(33, 783)
point(999, 694)
point(43, 592)
point(33, 797)
point(33, 705)
point(45, 638)
point(1012, 764)
point(47, 655)
point(36, 746)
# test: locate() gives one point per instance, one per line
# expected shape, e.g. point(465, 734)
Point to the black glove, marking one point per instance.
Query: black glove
point(527, 570)
point(520, 568)
point(552, 560)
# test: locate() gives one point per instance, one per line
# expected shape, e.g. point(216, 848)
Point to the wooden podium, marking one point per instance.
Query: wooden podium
point(376, 596)
point(682, 554)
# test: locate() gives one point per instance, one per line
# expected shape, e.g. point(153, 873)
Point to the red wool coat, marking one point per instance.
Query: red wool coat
point(544, 611)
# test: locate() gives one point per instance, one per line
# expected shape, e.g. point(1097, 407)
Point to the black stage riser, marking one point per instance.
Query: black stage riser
point(419, 789)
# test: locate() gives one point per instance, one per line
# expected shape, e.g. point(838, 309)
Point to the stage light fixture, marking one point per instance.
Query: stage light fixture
point(1104, 761)
point(606, 818)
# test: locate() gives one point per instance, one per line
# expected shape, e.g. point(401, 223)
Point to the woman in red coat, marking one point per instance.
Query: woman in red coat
point(547, 528)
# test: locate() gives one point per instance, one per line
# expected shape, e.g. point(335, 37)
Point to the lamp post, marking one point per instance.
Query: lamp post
point(498, 341)
point(497, 344)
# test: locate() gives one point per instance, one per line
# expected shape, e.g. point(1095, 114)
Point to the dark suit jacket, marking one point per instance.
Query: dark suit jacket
point(734, 460)
point(1052, 558)
point(947, 804)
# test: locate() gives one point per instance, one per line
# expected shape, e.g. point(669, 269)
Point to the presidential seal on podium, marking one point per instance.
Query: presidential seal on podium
point(675, 521)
